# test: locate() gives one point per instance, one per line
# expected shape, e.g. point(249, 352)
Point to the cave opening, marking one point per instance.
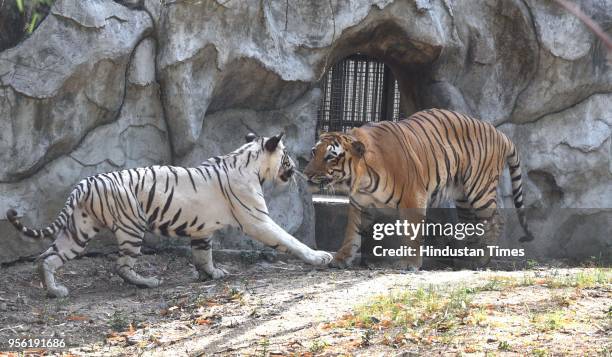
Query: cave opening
point(378, 74)
point(357, 90)
point(365, 87)
point(372, 74)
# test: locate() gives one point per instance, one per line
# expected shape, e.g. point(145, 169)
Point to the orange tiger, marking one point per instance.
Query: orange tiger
point(433, 156)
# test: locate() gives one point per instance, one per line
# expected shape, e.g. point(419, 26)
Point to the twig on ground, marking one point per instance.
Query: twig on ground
point(11, 328)
point(592, 25)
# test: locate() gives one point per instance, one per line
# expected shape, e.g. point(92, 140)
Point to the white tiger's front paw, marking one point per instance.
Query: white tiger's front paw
point(215, 273)
point(58, 291)
point(151, 282)
point(319, 257)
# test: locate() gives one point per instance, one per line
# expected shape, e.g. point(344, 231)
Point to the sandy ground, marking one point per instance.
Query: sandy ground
point(284, 308)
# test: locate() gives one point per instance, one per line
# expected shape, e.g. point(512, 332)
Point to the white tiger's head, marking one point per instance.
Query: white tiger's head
point(276, 165)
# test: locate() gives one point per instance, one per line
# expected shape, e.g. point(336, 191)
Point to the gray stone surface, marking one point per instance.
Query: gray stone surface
point(99, 86)
point(572, 63)
point(569, 181)
point(63, 81)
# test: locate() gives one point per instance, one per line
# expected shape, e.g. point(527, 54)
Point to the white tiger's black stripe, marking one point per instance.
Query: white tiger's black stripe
point(172, 201)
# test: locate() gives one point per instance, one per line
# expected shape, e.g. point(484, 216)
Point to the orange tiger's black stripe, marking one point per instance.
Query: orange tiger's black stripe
point(433, 156)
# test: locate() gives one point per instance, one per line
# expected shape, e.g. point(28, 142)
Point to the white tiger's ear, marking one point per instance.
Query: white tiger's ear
point(272, 143)
point(250, 137)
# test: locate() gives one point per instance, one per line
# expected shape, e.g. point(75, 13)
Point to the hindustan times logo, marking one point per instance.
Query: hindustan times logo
point(427, 229)
point(425, 251)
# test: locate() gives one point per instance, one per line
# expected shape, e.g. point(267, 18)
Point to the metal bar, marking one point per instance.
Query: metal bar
point(365, 92)
point(336, 100)
point(357, 90)
point(354, 112)
point(342, 96)
point(387, 99)
point(375, 92)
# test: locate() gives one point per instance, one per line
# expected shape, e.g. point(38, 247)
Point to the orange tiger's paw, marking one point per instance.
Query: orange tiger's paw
point(338, 263)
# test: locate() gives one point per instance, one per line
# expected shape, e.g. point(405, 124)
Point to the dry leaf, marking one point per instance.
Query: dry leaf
point(327, 326)
point(385, 323)
point(116, 340)
point(202, 321)
point(77, 318)
point(131, 330)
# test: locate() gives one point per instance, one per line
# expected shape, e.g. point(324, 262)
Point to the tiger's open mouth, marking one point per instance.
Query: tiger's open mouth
point(320, 180)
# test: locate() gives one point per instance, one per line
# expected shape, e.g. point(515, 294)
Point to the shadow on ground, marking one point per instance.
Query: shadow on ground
point(268, 308)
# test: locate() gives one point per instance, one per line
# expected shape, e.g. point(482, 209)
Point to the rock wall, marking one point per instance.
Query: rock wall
point(102, 85)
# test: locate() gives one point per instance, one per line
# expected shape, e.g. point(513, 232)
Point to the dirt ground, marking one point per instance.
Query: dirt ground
point(288, 308)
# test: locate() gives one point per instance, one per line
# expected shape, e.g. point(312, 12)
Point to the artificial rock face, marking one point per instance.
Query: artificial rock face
point(101, 86)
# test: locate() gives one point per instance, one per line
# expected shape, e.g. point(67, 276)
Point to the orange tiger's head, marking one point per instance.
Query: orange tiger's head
point(332, 158)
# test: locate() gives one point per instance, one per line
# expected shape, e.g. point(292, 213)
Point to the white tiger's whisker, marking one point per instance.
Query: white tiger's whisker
point(332, 190)
point(300, 174)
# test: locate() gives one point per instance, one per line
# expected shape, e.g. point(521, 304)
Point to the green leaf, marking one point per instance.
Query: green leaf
point(19, 5)
point(33, 22)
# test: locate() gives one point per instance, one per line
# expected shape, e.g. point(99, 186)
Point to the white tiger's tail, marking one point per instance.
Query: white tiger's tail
point(50, 230)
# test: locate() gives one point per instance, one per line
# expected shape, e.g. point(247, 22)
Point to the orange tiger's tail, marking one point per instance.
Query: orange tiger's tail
point(514, 164)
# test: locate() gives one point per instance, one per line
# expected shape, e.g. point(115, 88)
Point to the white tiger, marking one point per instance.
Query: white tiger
point(173, 201)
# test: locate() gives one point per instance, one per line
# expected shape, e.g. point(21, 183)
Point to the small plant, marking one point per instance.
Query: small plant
point(476, 317)
point(582, 280)
point(531, 263)
point(366, 337)
point(317, 346)
point(203, 300)
point(499, 283)
point(264, 343)
point(118, 321)
point(45, 314)
point(593, 261)
point(236, 295)
point(527, 280)
point(550, 321)
point(33, 12)
point(504, 346)
point(425, 308)
point(539, 352)
point(561, 300)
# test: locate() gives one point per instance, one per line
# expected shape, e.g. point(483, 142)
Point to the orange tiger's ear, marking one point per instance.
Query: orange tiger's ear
point(357, 148)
